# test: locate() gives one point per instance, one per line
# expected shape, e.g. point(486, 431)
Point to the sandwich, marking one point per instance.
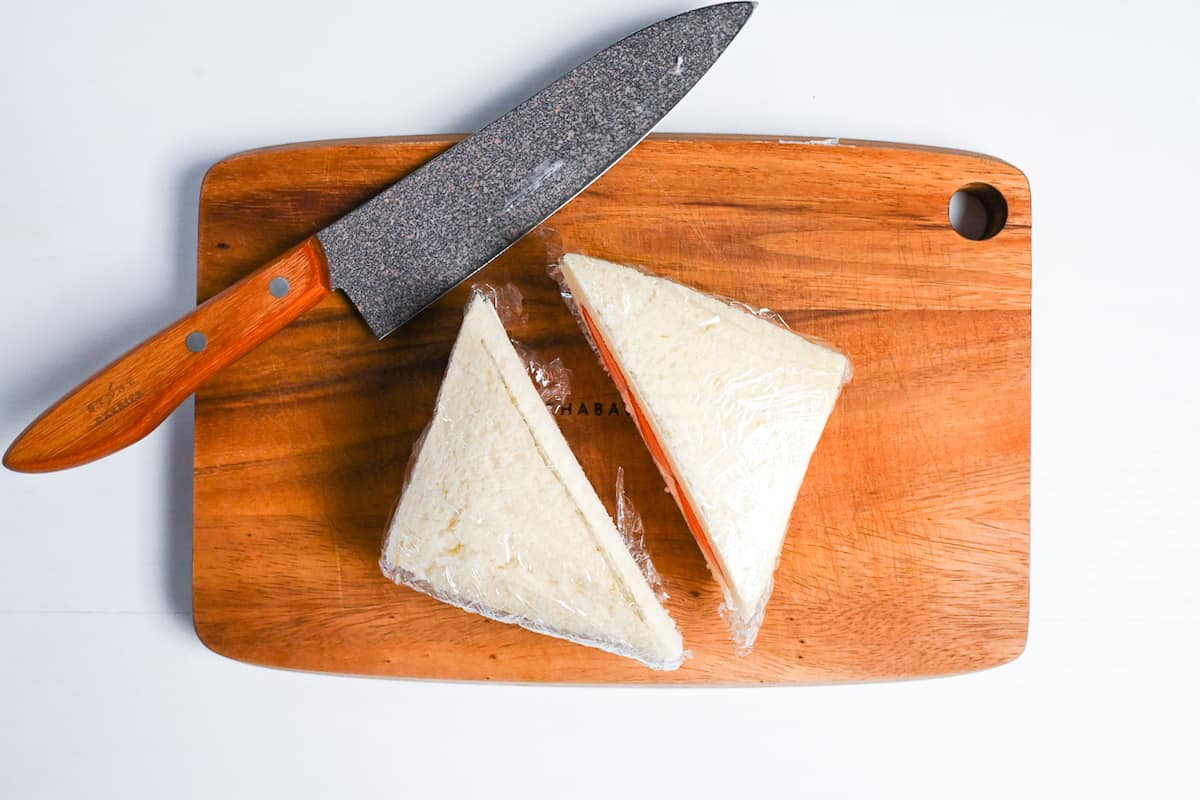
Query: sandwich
point(499, 519)
point(730, 405)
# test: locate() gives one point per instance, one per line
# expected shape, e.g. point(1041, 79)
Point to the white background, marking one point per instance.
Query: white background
point(110, 112)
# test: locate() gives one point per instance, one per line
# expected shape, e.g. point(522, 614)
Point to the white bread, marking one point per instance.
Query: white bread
point(499, 518)
point(736, 403)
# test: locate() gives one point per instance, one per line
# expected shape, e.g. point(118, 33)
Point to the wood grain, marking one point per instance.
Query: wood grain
point(133, 395)
point(908, 553)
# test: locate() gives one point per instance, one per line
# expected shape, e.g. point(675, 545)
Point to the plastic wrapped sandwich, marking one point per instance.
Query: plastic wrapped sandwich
point(498, 517)
point(730, 404)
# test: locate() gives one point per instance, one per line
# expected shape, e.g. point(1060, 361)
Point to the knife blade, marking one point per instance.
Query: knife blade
point(410, 244)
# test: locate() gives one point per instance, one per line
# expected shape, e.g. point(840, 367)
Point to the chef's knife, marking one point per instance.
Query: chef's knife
point(410, 244)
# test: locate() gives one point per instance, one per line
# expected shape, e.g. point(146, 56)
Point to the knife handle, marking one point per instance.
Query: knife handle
point(130, 397)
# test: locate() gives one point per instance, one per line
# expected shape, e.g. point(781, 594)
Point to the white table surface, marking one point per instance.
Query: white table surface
point(110, 114)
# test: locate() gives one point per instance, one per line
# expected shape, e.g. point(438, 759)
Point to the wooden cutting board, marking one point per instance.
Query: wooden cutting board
point(908, 553)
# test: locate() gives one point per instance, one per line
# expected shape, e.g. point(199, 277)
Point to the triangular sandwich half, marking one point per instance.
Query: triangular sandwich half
point(498, 517)
point(731, 407)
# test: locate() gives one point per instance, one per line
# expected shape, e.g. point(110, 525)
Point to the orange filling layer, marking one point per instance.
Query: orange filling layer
point(656, 451)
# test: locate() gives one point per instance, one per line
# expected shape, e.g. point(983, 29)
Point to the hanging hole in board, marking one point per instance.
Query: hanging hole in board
point(978, 211)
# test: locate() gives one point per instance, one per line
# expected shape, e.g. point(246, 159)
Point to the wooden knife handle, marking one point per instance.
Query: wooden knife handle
point(131, 396)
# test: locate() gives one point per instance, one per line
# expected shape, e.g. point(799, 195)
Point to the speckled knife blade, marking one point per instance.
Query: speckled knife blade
point(437, 226)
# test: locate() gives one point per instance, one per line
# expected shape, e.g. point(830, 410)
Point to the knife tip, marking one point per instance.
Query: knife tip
point(744, 7)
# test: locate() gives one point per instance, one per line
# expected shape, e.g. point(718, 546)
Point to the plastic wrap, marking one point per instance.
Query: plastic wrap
point(498, 518)
point(633, 533)
point(552, 378)
point(731, 404)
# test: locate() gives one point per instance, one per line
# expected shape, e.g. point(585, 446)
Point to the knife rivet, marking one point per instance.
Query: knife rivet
point(278, 287)
point(196, 341)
